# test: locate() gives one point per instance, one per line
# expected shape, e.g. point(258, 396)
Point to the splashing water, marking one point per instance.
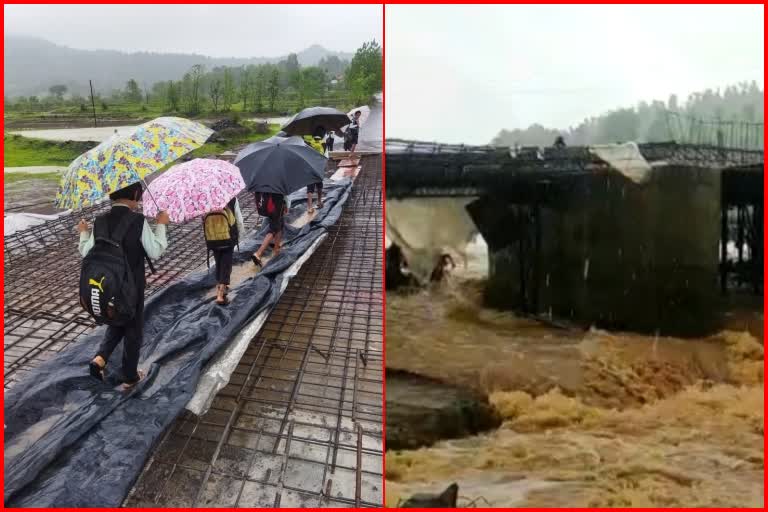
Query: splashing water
point(591, 418)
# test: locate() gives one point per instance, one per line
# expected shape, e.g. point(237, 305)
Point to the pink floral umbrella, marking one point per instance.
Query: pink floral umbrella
point(193, 189)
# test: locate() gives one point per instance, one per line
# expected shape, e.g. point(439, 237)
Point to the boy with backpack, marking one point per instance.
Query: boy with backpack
point(112, 279)
point(222, 230)
point(273, 207)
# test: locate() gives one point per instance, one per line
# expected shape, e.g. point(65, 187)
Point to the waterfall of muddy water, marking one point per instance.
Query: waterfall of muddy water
point(590, 418)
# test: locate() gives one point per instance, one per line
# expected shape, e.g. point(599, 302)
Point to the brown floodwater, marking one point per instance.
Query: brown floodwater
point(591, 418)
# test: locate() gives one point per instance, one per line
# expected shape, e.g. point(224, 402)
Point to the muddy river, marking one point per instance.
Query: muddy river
point(589, 418)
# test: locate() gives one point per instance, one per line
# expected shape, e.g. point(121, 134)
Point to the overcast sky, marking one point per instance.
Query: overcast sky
point(213, 30)
point(462, 73)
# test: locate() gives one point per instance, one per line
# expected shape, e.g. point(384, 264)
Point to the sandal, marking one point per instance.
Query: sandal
point(256, 261)
point(96, 370)
point(127, 386)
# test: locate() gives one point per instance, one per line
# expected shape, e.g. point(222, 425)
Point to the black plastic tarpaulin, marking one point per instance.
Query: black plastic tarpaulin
point(71, 441)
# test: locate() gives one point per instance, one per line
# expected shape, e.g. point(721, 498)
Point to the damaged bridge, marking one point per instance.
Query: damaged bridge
point(647, 237)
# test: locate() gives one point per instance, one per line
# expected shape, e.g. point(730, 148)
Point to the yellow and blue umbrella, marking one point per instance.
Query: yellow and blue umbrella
point(123, 160)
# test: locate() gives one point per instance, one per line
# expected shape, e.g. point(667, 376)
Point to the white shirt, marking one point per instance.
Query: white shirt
point(154, 244)
point(239, 218)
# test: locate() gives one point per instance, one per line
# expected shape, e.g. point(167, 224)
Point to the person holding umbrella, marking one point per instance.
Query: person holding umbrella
point(272, 170)
point(112, 276)
point(130, 229)
point(206, 188)
point(274, 208)
point(222, 230)
point(352, 133)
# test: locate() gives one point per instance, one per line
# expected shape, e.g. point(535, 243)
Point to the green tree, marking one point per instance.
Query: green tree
point(191, 89)
point(363, 77)
point(313, 82)
point(245, 87)
point(257, 89)
point(228, 92)
point(273, 89)
point(173, 96)
point(214, 91)
point(292, 69)
point(132, 91)
point(58, 91)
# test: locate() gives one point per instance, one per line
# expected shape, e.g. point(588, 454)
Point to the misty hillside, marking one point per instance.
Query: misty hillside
point(32, 65)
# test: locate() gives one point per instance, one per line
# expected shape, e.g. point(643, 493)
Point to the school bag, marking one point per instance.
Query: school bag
point(266, 204)
point(220, 230)
point(108, 290)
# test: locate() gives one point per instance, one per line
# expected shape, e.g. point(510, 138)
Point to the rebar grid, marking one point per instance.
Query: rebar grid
point(300, 422)
point(42, 266)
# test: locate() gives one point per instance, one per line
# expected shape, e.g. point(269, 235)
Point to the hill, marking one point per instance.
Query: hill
point(34, 64)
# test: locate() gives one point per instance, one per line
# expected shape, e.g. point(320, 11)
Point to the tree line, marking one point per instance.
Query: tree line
point(697, 119)
point(264, 88)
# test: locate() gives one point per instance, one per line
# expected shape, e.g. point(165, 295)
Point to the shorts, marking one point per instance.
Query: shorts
point(348, 143)
point(315, 187)
point(276, 222)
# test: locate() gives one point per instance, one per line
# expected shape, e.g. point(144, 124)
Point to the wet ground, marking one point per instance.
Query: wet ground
point(590, 418)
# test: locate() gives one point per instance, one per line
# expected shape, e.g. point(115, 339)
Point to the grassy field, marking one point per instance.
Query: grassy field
point(15, 177)
point(21, 151)
point(155, 109)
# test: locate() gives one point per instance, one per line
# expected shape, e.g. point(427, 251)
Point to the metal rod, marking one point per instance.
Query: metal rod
point(93, 103)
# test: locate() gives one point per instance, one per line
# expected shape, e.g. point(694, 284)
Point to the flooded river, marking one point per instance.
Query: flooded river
point(590, 418)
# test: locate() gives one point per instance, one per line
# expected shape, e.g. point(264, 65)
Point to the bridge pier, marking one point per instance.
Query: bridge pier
point(601, 250)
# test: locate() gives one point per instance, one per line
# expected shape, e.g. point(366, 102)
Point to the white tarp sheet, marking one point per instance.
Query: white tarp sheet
point(14, 222)
point(625, 158)
point(425, 228)
point(217, 374)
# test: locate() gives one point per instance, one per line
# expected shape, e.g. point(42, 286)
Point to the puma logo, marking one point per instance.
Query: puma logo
point(98, 284)
point(95, 302)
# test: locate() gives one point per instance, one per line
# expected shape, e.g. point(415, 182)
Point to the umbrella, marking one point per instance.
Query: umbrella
point(123, 160)
point(311, 120)
point(365, 111)
point(194, 188)
point(281, 139)
point(280, 168)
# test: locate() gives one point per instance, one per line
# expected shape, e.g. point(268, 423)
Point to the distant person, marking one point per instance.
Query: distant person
point(352, 133)
point(312, 189)
point(441, 270)
point(559, 142)
point(273, 207)
point(113, 279)
point(222, 229)
point(329, 141)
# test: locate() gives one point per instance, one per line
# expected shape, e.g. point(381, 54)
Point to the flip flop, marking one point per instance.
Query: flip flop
point(127, 386)
point(256, 261)
point(97, 371)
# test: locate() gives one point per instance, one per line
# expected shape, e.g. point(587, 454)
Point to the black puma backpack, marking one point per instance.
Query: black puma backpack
point(108, 290)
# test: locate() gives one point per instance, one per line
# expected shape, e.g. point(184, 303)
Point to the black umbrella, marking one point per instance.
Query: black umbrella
point(280, 168)
point(285, 139)
point(316, 121)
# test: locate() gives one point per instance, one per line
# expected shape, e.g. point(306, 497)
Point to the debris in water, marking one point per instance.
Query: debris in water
point(446, 499)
